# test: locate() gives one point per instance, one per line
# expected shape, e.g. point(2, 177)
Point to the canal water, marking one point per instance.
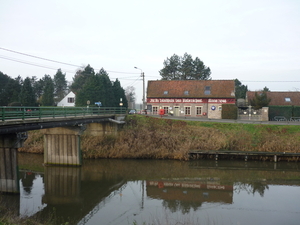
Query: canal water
point(160, 192)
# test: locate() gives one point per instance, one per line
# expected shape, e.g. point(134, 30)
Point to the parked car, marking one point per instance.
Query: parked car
point(132, 111)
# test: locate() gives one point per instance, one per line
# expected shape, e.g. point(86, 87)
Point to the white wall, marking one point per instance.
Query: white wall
point(64, 101)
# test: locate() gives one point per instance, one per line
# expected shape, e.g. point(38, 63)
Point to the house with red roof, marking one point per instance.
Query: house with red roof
point(278, 98)
point(190, 98)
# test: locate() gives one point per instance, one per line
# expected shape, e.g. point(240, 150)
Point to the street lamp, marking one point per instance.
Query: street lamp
point(142, 75)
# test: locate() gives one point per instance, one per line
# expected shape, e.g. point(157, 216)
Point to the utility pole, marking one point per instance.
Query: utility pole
point(143, 76)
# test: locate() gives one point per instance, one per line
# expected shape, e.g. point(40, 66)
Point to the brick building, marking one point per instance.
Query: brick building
point(190, 98)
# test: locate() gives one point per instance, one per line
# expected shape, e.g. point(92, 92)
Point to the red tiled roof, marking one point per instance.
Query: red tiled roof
point(279, 98)
point(195, 88)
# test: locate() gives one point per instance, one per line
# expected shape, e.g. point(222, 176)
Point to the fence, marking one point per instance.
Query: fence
point(248, 113)
point(16, 112)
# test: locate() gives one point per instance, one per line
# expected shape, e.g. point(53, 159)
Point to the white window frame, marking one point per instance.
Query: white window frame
point(166, 108)
point(201, 110)
point(155, 112)
point(186, 109)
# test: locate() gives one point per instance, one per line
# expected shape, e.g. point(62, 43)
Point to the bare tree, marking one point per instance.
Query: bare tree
point(130, 96)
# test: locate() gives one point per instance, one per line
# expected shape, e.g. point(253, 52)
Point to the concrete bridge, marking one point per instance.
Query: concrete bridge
point(62, 128)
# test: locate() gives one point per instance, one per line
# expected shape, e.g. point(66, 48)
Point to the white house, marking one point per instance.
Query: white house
point(68, 100)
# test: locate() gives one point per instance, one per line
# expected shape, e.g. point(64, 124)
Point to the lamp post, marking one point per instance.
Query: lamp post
point(142, 75)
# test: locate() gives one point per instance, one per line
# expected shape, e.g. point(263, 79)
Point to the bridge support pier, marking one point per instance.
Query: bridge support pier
point(9, 144)
point(62, 146)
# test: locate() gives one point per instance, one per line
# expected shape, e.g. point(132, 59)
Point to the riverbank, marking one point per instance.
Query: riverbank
point(154, 138)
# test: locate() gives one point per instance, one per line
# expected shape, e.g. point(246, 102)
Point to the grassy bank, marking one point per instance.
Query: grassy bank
point(155, 138)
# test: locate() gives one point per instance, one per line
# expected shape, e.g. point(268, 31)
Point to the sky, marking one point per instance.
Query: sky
point(256, 42)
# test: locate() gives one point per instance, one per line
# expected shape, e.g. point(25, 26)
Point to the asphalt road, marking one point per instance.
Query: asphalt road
point(296, 123)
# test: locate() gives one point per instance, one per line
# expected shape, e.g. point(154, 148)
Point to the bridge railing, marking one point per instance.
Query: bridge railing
point(17, 112)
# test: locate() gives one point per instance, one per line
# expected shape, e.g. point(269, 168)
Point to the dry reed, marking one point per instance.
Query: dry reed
point(153, 138)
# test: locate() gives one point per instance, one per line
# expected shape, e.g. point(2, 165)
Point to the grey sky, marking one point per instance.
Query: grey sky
point(257, 40)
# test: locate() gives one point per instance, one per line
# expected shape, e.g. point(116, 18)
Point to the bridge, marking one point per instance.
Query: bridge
point(62, 127)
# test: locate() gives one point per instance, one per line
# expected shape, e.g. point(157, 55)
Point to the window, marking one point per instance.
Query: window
point(155, 110)
point(198, 110)
point(166, 108)
point(166, 92)
point(288, 99)
point(207, 90)
point(71, 100)
point(186, 92)
point(187, 110)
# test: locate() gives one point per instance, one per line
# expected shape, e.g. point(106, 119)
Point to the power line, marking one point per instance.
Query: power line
point(37, 57)
point(51, 60)
point(32, 64)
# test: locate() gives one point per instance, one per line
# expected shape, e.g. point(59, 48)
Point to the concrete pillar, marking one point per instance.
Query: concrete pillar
point(100, 129)
point(62, 185)
point(265, 114)
point(9, 144)
point(62, 146)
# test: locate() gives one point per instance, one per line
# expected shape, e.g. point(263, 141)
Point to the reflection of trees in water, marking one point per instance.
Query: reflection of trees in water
point(251, 188)
point(183, 206)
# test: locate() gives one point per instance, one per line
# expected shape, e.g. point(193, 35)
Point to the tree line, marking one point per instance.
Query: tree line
point(97, 87)
point(48, 91)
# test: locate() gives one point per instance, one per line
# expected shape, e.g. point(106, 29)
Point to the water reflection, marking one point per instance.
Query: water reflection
point(154, 192)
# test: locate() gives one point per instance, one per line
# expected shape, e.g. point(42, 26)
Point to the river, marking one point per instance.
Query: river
point(106, 191)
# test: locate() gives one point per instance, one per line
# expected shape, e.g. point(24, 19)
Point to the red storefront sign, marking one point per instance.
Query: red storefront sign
point(190, 100)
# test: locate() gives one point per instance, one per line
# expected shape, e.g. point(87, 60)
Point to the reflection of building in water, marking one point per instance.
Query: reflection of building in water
point(190, 193)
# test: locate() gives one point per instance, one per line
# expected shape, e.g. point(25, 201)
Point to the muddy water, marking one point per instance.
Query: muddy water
point(160, 192)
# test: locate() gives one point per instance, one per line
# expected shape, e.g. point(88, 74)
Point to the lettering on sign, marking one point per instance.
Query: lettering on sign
point(189, 100)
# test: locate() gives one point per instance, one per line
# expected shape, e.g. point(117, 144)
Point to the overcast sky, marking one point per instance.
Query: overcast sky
point(257, 41)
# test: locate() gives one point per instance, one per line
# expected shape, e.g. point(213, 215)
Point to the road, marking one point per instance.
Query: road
point(296, 123)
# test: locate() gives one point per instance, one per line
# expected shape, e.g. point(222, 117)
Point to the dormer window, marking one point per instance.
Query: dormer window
point(288, 99)
point(207, 90)
point(166, 92)
point(186, 92)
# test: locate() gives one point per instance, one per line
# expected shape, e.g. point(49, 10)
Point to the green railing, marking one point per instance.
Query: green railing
point(17, 112)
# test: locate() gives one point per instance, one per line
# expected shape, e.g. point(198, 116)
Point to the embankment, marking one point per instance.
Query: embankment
point(154, 138)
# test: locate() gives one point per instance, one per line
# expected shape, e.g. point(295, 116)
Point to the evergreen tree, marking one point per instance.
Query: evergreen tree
point(171, 70)
point(107, 95)
point(119, 94)
point(99, 88)
point(38, 88)
point(260, 100)
point(240, 90)
point(48, 92)
point(9, 89)
point(12, 90)
point(89, 92)
point(27, 97)
point(184, 68)
point(60, 85)
point(81, 77)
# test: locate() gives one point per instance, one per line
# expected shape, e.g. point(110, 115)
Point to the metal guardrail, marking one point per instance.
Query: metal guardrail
point(23, 113)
